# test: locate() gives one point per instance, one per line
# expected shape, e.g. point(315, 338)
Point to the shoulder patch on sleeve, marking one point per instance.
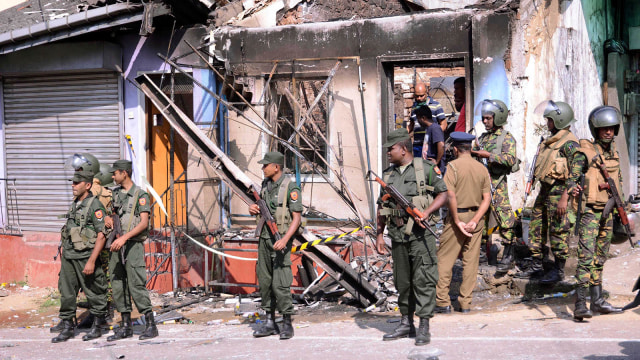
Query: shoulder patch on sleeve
point(142, 201)
point(99, 214)
point(437, 171)
point(294, 195)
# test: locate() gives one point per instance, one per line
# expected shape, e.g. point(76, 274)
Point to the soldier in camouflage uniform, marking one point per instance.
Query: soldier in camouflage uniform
point(558, 168)
point(497, 149)
point(595, 227)
point(413, 249)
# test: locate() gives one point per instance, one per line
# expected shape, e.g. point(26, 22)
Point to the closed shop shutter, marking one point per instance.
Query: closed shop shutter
point(48, 119)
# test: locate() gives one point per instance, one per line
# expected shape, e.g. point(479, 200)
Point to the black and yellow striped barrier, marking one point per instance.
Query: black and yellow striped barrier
point(330, 238)
point(128, 137)
point(494, 229)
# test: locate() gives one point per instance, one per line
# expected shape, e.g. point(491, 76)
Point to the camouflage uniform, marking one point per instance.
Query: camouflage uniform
point(543, 214)
point(595, 234)
point(499, 166)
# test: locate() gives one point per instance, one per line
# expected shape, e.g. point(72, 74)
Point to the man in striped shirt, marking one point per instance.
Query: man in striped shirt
point(418, 129)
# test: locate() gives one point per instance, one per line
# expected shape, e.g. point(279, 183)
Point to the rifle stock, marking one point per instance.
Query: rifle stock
point(579, 215)
point(610, 187)
point(404, 203)
point(531, 177)
point(116, 232)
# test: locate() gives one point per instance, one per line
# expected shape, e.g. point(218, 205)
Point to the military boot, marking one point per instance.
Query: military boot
point(423, 337)
point(556, 274)
point(150, 331)
point(269, 327)
point(96, 331)
point(581, 312)
point(535, 270)
point(68, 331)
point(125, 330)
point(405, 329)
point(59, 326)
point(507, 263)
point(287, 328)
point(598, 304)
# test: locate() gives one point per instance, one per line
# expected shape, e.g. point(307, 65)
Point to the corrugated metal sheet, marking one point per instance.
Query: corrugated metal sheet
point(48, 119)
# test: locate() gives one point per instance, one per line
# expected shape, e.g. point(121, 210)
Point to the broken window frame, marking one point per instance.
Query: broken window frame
point(273, 113)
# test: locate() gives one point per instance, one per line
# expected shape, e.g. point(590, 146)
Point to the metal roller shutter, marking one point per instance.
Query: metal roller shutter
point(49, 118)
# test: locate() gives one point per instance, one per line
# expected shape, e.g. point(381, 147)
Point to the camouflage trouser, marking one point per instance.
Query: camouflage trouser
point(544, 223)
point(595, 238)
point(505, 218)
point(104, 257)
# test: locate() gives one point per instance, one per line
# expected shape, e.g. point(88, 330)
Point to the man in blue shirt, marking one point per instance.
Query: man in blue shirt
point(433, 141)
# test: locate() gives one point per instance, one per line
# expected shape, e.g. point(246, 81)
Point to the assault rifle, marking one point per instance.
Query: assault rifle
point(265, 217)
point(403, 202)
point(579, 217)
point(114, 234)
point(531, 177)
point(610, 186)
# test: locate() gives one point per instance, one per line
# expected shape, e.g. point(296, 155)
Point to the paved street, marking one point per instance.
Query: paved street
point(523, 331)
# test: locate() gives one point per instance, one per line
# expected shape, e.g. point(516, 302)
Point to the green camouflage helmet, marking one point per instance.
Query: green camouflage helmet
point(560, 112)
point(495, 108)
point(83, 161)
point(104, 176)
point(604, 116)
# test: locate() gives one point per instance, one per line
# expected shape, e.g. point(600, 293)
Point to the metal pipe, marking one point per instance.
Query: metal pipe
point(366, 144)
point(174, 265)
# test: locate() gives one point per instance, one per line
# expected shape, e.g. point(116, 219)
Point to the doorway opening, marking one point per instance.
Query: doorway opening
point(166, 149)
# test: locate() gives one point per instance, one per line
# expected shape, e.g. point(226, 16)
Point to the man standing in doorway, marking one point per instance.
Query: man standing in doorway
point(417, 129)
point(433, 148)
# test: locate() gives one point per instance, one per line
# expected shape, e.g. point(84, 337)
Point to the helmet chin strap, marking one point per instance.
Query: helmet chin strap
point(605, 141)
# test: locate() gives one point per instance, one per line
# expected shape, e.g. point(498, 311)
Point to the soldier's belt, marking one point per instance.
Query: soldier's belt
point(464, 210)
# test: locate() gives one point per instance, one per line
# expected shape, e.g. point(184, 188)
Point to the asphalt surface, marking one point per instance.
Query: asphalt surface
point(522, 331)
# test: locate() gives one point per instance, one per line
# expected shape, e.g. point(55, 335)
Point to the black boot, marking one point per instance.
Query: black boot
point(59, 326)
point(506, 263)
point(287, 328)
point(405, 329)
point(150, 331)
point(581, 312)
point(535, 270)
point(96, 331)
point(422, 335)
point(556, 274)
point(125, 330)
point(598, 304)
point(269, 327)
point(67, 332)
